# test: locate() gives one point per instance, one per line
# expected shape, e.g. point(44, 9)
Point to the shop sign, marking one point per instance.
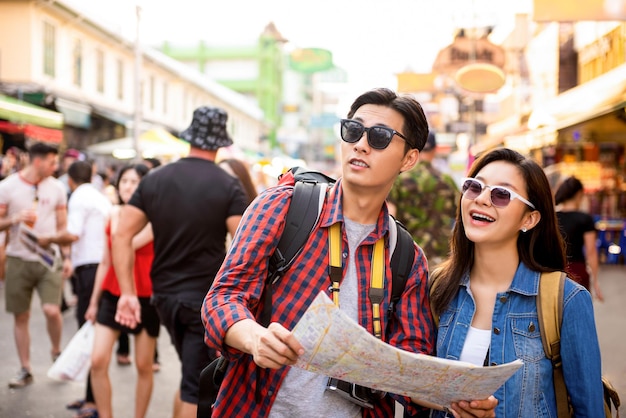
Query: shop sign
point(310, 60)
point(465, 50)
point(573, 11)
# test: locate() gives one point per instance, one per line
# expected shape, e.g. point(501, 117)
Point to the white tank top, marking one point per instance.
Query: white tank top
point(476, 346)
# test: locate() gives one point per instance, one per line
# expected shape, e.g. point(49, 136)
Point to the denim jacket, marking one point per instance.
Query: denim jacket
point(515, 334)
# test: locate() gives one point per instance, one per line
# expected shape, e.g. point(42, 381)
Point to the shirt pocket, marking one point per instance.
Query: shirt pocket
point(527, 338)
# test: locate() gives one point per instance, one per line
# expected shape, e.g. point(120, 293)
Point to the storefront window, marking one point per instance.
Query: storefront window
point(78, 63)
point(49, 47)
point(100, 71)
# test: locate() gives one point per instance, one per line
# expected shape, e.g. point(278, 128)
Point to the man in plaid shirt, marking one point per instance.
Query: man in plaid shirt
point(381, 138)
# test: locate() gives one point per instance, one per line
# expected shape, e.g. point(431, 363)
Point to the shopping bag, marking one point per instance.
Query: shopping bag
point(75, 360)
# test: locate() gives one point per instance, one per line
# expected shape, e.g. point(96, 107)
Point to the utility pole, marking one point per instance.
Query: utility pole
point(137, 89)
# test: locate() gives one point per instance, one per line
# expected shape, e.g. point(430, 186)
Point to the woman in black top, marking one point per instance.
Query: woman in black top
point(579, 232)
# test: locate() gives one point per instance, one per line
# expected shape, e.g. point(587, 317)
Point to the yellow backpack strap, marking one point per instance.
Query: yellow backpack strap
point(550, 314)
point(334, 255)
point(377, 284)
point(377, 281)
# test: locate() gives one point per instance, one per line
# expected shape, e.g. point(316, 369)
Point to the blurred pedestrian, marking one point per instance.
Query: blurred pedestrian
point(505, 235)
point(424, 199)
point(239, 169)
point(103, 304)
point(33, 197)
point(87, 212)
point(579, 232)
point(192, 204)
point(10, 162)
point(151, 162)
point(70, 156)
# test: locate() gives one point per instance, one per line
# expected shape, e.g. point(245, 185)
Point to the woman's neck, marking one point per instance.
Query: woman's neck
point(569, 206)
point(494, 267)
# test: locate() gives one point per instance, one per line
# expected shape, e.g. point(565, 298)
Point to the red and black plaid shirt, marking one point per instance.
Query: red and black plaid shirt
point(238, 286)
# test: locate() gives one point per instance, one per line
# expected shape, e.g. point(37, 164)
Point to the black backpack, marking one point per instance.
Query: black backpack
point(303, 214)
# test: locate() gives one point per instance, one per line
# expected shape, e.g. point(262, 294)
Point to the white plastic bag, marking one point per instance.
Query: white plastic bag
point(74, 362)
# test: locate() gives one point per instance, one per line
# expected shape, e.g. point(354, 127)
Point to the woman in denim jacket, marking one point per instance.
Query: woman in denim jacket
point(506, 234)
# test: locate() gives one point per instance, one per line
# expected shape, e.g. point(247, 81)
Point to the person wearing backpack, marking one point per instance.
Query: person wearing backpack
point(382, 136)
point(506, 238)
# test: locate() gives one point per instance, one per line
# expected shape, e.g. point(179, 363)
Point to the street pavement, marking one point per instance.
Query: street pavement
point(46, 398)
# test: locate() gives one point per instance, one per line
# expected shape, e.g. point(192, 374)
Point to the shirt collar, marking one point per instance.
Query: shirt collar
point(332, 212)
point(525, 281)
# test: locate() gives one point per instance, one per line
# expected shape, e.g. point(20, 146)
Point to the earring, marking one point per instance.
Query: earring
point(524, 229)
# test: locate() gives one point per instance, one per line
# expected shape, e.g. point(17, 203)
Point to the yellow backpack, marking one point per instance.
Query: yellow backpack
point(550, 311)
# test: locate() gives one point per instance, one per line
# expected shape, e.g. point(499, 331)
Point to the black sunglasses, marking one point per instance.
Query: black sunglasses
point(500, 196)
point(378, 137)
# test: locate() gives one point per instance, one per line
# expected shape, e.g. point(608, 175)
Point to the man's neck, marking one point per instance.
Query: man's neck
point(362, 208)
point(204, 154)
point(30, 175)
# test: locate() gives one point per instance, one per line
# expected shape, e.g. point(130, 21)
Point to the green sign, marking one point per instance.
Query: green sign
point(310, 60)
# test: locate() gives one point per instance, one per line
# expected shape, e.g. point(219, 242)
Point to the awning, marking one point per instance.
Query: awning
point(33, 132)
point(152, 143)
point(74, 114)
point(21, 112)
point(112, 115)
point(598, 97)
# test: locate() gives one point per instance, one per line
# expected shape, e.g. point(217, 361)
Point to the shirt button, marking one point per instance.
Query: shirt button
point(502, 299)
point(496, 331)
point(270, 392)
point(531, 327)
point(344, 255)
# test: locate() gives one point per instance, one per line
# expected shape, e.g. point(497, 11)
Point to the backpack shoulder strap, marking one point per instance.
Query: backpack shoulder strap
point(550, 314)
point(303, 213)
point(402, 260)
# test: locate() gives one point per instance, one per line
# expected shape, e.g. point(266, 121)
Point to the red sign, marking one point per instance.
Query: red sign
point(36, 133)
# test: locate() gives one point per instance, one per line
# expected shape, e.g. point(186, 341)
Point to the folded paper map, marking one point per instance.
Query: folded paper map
point(338, 347)
point(47, 256)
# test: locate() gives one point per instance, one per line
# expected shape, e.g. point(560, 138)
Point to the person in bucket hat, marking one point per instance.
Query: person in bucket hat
point(208, 129)
point(192, 204)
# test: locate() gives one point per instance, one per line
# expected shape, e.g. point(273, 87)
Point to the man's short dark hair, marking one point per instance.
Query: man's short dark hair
point(41, 149)
point(415, 123)
point(80, 172)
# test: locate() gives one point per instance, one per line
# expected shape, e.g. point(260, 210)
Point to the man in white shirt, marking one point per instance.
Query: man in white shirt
point(88, 211)
point(32, 197)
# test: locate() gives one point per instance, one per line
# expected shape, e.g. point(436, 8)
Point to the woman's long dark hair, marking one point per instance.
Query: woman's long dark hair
point(541, 249)
point(567, 190)
point(243, 174)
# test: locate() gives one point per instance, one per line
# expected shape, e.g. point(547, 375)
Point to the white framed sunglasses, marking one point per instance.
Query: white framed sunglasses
point(500, 196)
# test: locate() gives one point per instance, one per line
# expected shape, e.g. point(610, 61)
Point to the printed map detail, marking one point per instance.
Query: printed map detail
point(338, 347)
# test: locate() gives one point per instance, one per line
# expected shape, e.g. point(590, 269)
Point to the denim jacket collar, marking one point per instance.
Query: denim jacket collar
point(525, 281)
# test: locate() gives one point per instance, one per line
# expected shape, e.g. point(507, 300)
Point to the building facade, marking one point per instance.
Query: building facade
point(55, 56)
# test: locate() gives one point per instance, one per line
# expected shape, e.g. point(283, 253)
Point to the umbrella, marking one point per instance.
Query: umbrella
point(153, 143)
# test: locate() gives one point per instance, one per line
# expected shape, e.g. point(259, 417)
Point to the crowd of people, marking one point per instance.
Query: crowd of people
point(186, 245)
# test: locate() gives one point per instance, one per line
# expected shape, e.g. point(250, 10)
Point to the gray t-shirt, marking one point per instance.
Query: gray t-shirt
point(303, 394)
